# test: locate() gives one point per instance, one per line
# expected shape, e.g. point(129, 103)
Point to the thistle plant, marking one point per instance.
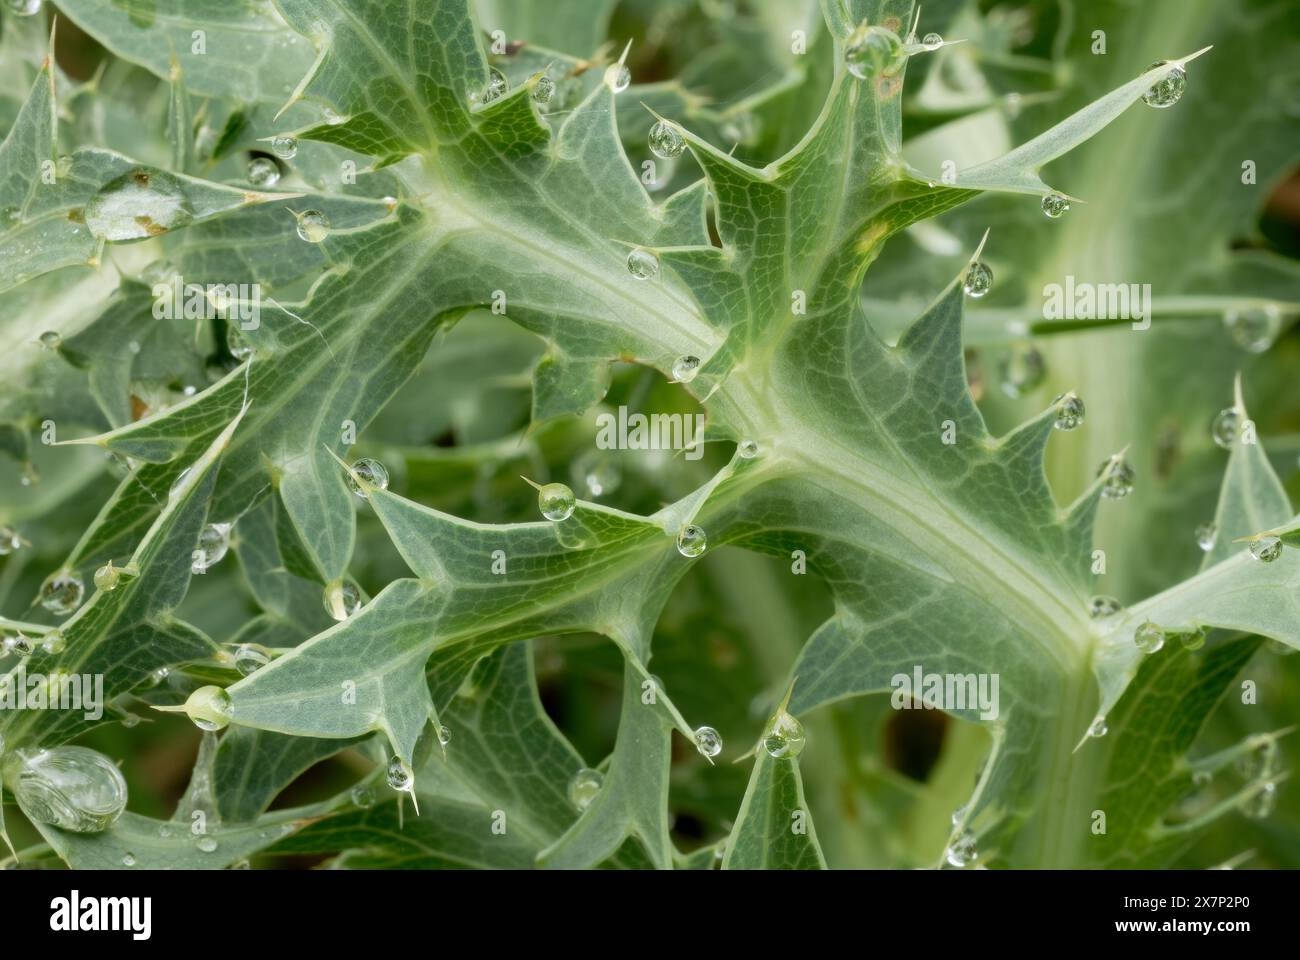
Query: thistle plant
point(513, 444)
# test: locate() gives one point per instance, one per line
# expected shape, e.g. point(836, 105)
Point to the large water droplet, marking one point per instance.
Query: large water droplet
point(1192, 639)
point(544, 90)
point(73, 788)
point(1207, 534)
point(1055, 205)
point(962, 851)
point(707, 741)
point(979, 280)
point(263, 172)
point(107, 578)
point(691, 542)
point(214, 542)
point(685, 369)
point(932, 41)
point(399, 775)
point(556, 501)
point(313, 226)
point(206, 844)
point(666, 141)
point(1120, 478)
point(237, 344)
point(1149, 637)
point(785, 738)
point(617, 77)
point(250, 658)
point(1266, 549)
point(1226, 427)
point(642, 264)
point(284, 146)
point(873, 50)
point(52, 643)
point(371, 473)
point(136, 205)
point(497, 87)
point(1255, 328)
point(1166, 92)
point(584, 786)
point(1069, 412)
point(1023, 370)
point(342, 598)
point(209, 707)
point(62, 592)
point(1100, 607)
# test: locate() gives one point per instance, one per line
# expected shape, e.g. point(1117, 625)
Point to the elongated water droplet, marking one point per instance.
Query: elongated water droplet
point(596, 473)
point(1254, 328)
point(399, 775)
point(1069, 412)
point(747, 449)
point(263, 172)
point(313, 226)
point(544, 90)
point(1266, 549)
point(1149, 638)
point(209, 707)
point(707, 741)
point(617, 77)
point(107, 578)
point(371, 473)
point(179, 482)
point(959, 814)
point(1260, 804)
point(785, 738)
point(1226, 427)
point(1120, 478)
point(1207, 534)
point(72, 788)
point(1192, 639)
point(214, 542)
point(249, 658)
point(1055, 205)
point(979, 280)
point(691, 542)
point(24, 8)
point(342, 599)
point(666, 142)
point(1098, 728)
point(62, 592)
point(136, 205)
point(685, 369)
point(873, 50)
point(962, 850)
point(1166, 92)
point(584, 786)
point(284, 146)
point(444, 734)
point(1102, 606)
point(1023, 370)
point(206, 844)
point(642, 264)
point(556, 501)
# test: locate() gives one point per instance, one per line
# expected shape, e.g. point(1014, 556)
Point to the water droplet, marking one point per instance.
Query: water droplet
point(214, 542)
point(1055, 205)
point(1259, 761)
point(685, 368)
point(979, 280)
point(400, 776)
point(342, 599)
point(1102, 606)
point(543, 90)
point(362, 795)
point(1226, 427)
point(159, 675)
point(73, 788)
point(10, 217)
point(107, 578)
point(873, 50)
point(555, 501)
point(596, 473)
point(136, 205)
point(497, 87)
point(371, 473)
point(962, 850)
point(249, 659)
point(1266, 549)
point(1207, 534)
point(209, 707)
point(62, 592)
point(9, 541)
point(241, 864)
point(1255, 328)
point(20, 644)
point(1260, 804)
point(666, 141)
point(932, 41)
point(1023, 370)
point(748, 449)
point(1098, 728)
point(50, 340)
point(284, 146)
point(206, 844)
point(1119, 476)
point(1192, 639)
point(313, 226)
point(54, 642)
point(959, 814)
point(179, 482)
point(642, 264)
point(691, 542)
point(263, 172)
point(333, 117)
point(584, 786)
point(128, 859)
point(1149, 638)
point(785, 738)
point(707, 741)
point(1166, 92)
point(24, 8)
point(237, 344)
point(617, 77)
point(1069, 412)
